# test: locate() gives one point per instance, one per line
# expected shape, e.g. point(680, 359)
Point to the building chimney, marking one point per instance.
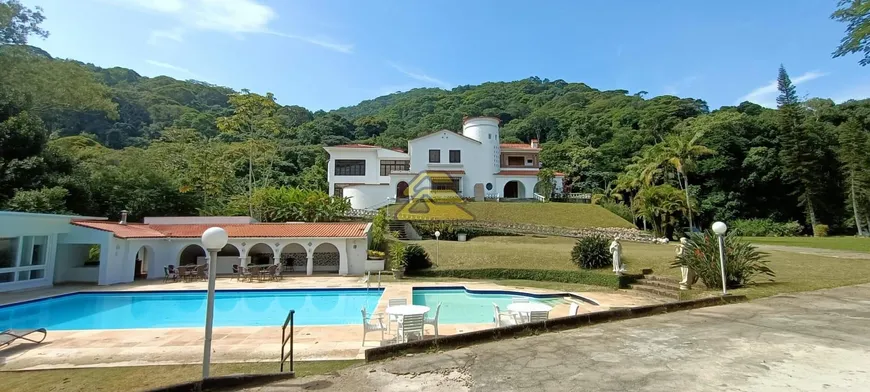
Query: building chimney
point(535, 143)
point(123, 217)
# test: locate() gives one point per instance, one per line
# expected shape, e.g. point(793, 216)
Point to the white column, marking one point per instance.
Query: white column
point(310, 268)
point(342, 258)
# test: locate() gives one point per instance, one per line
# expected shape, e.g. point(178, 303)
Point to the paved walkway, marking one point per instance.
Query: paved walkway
point(816, 341)
point(841, 254)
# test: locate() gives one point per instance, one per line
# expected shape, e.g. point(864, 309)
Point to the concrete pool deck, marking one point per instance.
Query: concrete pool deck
point(156, 346)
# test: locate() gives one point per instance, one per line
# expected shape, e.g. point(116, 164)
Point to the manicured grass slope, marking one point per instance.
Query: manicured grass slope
point(574, 215)
point(141, 378)
point(855, 244)
point(794, 272)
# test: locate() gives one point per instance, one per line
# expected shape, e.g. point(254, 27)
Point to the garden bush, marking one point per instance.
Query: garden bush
point(620, 209)
point(396, 255)
point(379, 230)
point(449, 230)
point(765, 228)
point(416, 258)
point(820, 230)
point(743, 263)
point(592, 252)
point(375, 255)
point(582, 276)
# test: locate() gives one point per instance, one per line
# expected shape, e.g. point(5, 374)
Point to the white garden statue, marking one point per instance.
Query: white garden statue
point(616, 250)
point(689, 277)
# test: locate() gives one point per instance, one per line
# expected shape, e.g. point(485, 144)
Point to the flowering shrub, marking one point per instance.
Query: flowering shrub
point(743, 263)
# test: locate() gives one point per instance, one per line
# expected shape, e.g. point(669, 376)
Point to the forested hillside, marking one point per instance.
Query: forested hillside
point(78, 138)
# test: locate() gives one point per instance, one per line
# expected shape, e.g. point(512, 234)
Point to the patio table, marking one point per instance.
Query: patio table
point(525, 308)
point(406, 310)
point(258, 270)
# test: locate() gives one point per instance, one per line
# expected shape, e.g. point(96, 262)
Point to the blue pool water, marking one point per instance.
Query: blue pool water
point(237, 308)
point(461, 306)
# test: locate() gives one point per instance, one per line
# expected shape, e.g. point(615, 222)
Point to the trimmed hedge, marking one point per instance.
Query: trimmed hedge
point(582, 277)
point(449, 230)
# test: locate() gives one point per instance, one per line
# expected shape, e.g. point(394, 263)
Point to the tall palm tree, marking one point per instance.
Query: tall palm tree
point(680, 150)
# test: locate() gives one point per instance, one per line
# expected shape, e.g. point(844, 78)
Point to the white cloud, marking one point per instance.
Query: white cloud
point(235, 17)
point(418, 75)
point(766, 95)
point(323, 42)
point(176, 34)
point(168, 66)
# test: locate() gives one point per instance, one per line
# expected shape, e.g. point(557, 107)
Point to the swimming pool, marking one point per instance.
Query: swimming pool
point(174, 309)
point(462, 306)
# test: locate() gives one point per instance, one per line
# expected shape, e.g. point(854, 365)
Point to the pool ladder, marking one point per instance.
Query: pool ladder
point(368, 280)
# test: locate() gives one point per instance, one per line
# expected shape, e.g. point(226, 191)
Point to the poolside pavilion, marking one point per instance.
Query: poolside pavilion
point(38, 250)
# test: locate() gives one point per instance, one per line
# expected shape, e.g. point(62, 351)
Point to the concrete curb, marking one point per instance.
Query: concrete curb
point(226, 382)
point(557, 324)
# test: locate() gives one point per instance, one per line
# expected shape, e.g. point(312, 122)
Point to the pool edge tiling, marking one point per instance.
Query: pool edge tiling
point(119, 310)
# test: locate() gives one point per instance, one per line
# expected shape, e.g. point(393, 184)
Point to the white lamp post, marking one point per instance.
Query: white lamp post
point(213, 239)
point(720, 228)
point(437, 234)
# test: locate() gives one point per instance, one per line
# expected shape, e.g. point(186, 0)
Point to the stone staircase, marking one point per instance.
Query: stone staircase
point(398, 227)
point(658, 286)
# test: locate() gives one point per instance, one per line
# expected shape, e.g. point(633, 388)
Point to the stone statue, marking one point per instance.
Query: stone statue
point(689, 277)
point(616, 250)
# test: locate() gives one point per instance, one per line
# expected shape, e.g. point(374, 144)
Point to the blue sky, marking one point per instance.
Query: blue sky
point(324, 54)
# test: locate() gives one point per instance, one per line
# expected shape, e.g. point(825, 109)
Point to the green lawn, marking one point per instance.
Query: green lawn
point(537, 252)
point(575, 215)
point(140, 378)
point(855, 244)
point(794, 272)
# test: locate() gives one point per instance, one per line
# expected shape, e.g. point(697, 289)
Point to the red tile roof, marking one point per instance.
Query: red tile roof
point(366, 146)
point(254, 230)
point(518, 146)
point(524, 173)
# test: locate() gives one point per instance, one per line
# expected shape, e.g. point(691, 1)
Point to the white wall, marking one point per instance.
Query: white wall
point(365, 196)
point(475, 159)
point(528, 184)
point(373, 168)
point(19, 225)
point(356, 255)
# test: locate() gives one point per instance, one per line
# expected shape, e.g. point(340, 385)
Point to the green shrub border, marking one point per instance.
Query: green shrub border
point(580, 276)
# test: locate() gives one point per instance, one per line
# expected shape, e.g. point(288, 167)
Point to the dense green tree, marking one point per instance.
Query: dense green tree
point(856, 15)
point(802, 146)
point(18, 22)
point(253, 118)
point(854, 145)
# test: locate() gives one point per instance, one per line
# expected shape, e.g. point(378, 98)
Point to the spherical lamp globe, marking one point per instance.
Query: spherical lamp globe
point(214, 238)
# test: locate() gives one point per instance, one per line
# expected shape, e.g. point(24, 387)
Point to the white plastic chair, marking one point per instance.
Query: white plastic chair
point(574, 309)
point(538, 316)
point(372, 326)
point(503, 319)
point(411, 324)
point(433, 321)
point(395, 302)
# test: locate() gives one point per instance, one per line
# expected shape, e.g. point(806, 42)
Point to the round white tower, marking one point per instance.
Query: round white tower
point(485, 130)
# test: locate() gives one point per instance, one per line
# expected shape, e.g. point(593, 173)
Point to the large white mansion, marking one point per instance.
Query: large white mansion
point(472, 163)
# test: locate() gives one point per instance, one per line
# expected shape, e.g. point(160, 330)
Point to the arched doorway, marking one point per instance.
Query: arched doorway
point(402, 190)
point(190, 255)
point(143, 259)
point(326, 258)
point(226, 258)
point(294, 257)
point(261, 254)
point(514, 190)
